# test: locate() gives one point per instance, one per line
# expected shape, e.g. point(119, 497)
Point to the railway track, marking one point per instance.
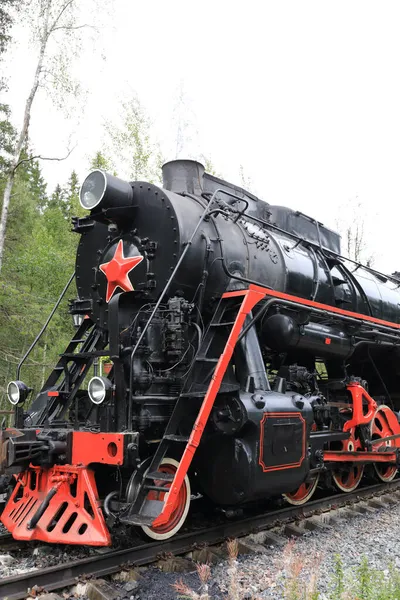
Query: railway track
point(66, 574)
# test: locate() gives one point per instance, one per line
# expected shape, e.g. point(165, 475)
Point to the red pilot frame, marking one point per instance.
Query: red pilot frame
point(60, 504)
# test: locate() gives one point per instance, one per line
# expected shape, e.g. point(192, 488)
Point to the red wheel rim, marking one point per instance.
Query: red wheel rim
point(182, 500)
point(380, 428)
point(303, 492)
point(348, 477)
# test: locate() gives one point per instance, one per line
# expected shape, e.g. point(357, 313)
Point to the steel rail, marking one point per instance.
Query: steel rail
point(67, 574)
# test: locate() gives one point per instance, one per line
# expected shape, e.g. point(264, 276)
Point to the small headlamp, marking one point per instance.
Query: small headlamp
point(99, 389)
point(17, 392)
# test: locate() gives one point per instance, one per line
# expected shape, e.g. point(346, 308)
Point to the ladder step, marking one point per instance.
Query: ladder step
point(155, 488)
point(176, 438)
point(222, 324)
point(79, 341)
point(158, 475)
point(79, 355)
point(208, 360)
point(137, 519)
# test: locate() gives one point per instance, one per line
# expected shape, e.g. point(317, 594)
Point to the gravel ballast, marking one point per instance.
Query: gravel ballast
point(260, 575)
point(263, 575)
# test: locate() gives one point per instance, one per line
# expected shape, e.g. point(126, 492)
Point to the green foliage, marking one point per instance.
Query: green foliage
point(7, 139)
point(137, 156)
point(100, 161)
point(39, 259)
point(6, 21)
point(209, 166)
point(337, 578)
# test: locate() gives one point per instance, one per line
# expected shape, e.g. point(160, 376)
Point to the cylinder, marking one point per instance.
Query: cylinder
point(281, 332)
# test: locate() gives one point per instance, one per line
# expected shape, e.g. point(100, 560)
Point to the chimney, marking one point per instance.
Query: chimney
point(183, 176)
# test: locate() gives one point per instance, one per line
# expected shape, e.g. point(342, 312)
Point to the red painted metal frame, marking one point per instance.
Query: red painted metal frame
point(359, 418)
point(358, 394)
point(283, 415)
point(393, 424)
point(105, 448)
point(251, 298)
point(73, 515)
point(319, 305)
point(360, 457)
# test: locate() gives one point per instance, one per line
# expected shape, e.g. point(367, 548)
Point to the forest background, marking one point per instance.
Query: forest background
point(39, 246)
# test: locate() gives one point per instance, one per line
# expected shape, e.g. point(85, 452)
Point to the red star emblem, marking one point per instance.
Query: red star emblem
point(117, 271)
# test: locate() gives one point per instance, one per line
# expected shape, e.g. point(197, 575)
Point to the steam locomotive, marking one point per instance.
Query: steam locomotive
point(250, 360)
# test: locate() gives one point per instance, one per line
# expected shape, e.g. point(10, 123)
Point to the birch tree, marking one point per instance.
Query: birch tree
point(352, 226)
point(134, 151)
point(54, 25)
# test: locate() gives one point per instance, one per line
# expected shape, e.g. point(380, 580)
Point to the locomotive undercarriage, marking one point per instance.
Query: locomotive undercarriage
point(196, 411)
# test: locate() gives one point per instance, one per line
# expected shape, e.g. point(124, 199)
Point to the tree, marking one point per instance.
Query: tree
point(135, 154)
point(7, 140)
point(209, 166)
point(7, 131)
point(37, 183)
point(6, 20)
point(245, 181)
point(57, 199)
point(100, 161)
point(71, 195)
point(41, 252)
point(353, 231)
point(52, 22)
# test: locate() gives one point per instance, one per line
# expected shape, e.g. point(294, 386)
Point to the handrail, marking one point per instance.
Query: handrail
point(37, 338)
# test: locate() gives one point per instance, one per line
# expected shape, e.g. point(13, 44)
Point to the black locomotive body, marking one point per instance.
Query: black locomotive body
point(250, 360)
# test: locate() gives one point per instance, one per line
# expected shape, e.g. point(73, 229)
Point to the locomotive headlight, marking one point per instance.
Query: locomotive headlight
point(99, 389)
point(93, 189)
point(17, 392)
point(100, 189)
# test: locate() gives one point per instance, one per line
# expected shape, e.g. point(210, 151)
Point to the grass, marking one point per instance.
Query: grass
point(295, 577)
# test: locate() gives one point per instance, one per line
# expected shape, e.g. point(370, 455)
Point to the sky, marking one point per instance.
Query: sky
point(305, 95)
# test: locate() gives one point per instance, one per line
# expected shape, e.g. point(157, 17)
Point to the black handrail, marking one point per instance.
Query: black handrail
point(37, 338)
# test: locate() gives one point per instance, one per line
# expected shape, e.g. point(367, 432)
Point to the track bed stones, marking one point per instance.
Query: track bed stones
point(175, 564)
point(316, 523)
point(6, 560)
point(127, 575)
point(269, 539)
point(51, 596)
point(364, 509)
point(208, 554)
point(376, 503)
point(79, 590)
point(326, 519)
point(247, 545)
point(293, 530)
point(101, 590)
